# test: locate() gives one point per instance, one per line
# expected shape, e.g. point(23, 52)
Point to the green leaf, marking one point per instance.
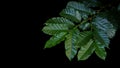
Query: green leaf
point(70, 44)
point(94, 24)
point(55, 39)
point(100, 50)
point(86, 51)
point(56, 25)
point(91, 3)
point(111, 33)
point(84, 38)
point(71, 14)
point(84, 26)
point(102, 24)
point(80, 7)
point(55, 28)
point(102, 37)
point(60, 20)
point(112, 16)
point(103, 30)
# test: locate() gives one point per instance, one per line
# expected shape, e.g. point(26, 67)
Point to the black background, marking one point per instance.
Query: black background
point(34, 54)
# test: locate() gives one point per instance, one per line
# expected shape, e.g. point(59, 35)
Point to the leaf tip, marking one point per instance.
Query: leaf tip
point(103, 58)
point(44, 48)
point(70, 59)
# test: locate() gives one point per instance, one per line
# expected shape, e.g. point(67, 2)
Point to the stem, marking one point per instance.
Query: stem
point(88, 19)
point(81, 23)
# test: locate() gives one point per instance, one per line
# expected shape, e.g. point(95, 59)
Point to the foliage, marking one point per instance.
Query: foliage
point(85, 29)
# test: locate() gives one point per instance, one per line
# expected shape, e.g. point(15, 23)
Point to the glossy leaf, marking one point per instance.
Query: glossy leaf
point(102, 24)
point(56, 25)
point(86, 51)
point(91, 3)
point(103, 30)
point(100, 50)
point(112, 16)
point(84, 26)
point(102, 38)
point(56, 39)
point(80, 7)
point(84, 38)
point(71, 14)
point(70, 44)
point(111, 33)
point(60, 20)
point(84, 29)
